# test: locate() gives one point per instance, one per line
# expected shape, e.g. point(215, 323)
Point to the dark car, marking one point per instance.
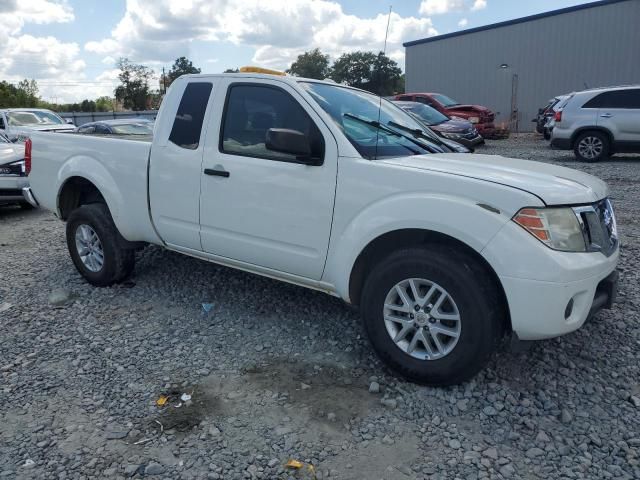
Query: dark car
point(481, 117)
point(125, 126)
point(456, 129)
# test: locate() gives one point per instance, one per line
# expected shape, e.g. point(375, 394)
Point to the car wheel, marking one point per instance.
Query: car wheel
point(94, 245)
point(591, 146)
point(432, 314)
point(547, 134)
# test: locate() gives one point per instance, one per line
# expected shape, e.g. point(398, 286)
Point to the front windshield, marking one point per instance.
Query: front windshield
point(444, 100)
point(352, 110)
point(428, 115)
point(33, 117)
point(132, 129)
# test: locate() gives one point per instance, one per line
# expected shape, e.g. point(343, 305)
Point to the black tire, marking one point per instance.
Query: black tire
point(474, 293)
point(547, 134)
point(118, 262)
point(592, 136)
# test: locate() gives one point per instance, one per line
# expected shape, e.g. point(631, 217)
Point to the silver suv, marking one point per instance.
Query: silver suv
point(598, 123)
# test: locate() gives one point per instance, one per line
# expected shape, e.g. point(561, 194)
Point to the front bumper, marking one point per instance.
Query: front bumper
point(550, 293)
point(471, 143)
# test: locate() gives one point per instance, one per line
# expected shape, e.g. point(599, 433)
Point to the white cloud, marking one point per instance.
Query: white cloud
point(161, 30)
point(463, 23)
point(439, 7)
point(56, 65)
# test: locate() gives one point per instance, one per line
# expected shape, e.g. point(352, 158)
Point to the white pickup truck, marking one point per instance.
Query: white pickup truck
point(331, 188)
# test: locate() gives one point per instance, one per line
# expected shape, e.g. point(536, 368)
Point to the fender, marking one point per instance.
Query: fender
point(460, 218)
point(128, 223)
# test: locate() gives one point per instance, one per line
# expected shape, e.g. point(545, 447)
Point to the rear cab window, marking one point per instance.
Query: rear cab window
point(187, 125)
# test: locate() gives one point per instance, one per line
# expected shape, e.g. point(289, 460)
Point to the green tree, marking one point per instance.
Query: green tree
point(88, 106)
point(182, 66)
point(366, 70)
point(104, 104)
point(312, 64)
point(133, 90)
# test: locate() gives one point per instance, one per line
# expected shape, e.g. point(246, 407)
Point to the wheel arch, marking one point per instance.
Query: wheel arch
point(600, 129)
point(384, 244)
point(75, 192)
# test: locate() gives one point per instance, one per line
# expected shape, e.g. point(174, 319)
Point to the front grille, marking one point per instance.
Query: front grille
point(599, 227)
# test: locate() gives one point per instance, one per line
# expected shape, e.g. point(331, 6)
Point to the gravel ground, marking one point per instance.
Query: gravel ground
point(276, 372)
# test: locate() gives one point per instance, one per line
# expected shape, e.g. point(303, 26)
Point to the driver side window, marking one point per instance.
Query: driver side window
point(251, 110)
point(1, 122)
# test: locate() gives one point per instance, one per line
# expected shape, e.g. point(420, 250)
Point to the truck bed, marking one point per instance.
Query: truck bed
point(118, 164)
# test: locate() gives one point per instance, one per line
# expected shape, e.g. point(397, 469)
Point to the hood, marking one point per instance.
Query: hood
point(456, 125)
point(554, 185)
point(11, 152)
point(468, 108)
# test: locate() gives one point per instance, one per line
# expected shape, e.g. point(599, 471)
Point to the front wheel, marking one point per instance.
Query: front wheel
point(432, 314)
point(95, 248)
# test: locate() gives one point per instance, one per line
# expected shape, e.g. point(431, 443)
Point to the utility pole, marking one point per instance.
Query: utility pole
point(164, 82)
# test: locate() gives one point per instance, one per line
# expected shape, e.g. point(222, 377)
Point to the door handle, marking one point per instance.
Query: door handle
point(606, 115)
point(216, 172)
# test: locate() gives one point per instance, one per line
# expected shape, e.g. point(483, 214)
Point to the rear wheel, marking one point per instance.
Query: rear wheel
point(432, 314)
point(591, 146)
point(95, 247)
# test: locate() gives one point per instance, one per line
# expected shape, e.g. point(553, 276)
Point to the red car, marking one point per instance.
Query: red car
point(481, 117)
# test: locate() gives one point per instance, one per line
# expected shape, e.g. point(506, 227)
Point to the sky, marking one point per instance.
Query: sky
point(70, 47)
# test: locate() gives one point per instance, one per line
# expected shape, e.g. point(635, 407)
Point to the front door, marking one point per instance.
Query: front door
point(259, 206)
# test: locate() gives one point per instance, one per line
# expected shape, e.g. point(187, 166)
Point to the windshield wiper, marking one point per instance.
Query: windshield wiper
point(419, 133)
point(383, 127)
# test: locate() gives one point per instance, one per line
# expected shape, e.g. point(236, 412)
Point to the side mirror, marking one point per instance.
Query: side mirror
point(285, 140)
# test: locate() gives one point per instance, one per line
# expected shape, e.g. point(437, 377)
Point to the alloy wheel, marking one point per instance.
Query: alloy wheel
point(89, 248)
point(422, 319)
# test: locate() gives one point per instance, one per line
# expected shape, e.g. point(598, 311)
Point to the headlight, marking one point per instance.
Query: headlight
point(474, 119)
point(558, 228)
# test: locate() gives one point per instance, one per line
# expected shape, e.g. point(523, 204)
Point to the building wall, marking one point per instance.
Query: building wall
point(598, 46)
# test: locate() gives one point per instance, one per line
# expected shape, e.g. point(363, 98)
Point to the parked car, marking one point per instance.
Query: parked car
point(481, 117)
point(444, 253)
point(458, 130)
point(599, 122)
point(13, 177)
point(18, 123)
point(545, 120)
point(128, 126)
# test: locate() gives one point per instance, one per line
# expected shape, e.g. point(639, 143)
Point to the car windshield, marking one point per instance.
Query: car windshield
point(132, 129)
point(444, 100)
point(33, 117)
point(428, 115)
point(357, 114)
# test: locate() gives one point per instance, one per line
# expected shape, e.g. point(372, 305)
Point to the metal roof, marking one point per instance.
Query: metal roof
point(515, 21)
